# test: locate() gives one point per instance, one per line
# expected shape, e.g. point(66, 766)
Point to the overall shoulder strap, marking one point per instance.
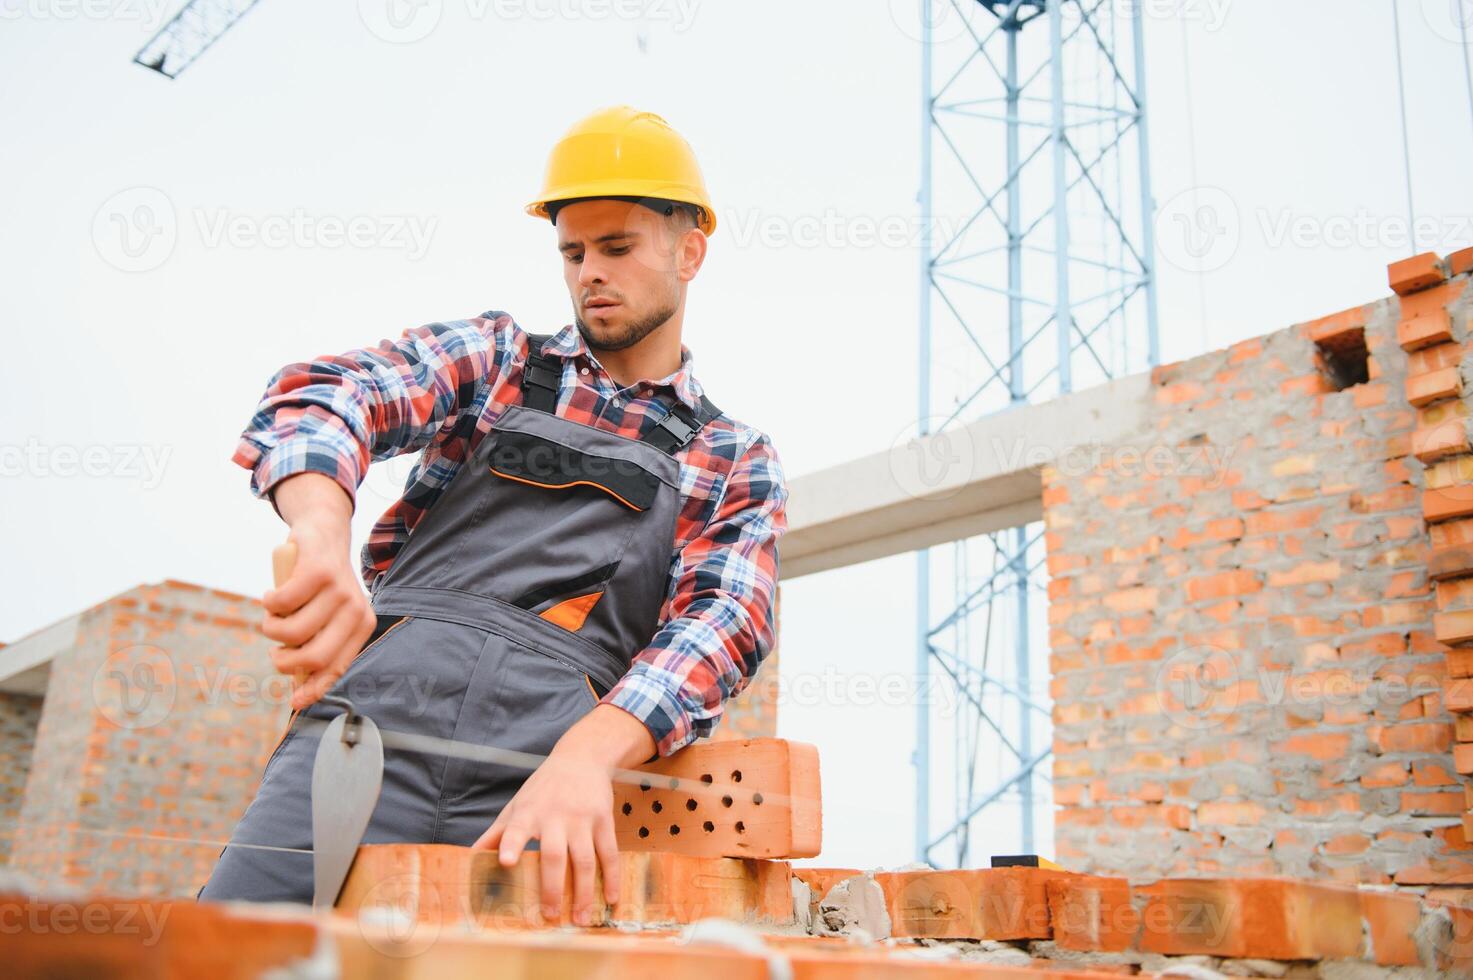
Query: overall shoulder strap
point(541, 377)
point(680, 425)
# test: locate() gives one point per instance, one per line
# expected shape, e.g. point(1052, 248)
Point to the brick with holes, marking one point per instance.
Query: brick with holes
point(751, 798)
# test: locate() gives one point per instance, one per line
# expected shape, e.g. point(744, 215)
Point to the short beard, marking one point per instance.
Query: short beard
point(637, 331)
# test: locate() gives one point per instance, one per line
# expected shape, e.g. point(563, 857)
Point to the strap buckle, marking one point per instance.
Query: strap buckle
point(678, 427)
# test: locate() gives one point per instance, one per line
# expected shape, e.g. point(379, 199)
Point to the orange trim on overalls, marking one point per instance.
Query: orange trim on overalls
point(562, 486)
point(571, 613)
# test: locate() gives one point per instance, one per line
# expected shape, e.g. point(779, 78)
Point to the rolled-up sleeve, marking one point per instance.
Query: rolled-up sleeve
point(337, 413)
point(718, 623)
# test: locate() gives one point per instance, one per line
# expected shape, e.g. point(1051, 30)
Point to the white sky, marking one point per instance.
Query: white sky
point(798, 111)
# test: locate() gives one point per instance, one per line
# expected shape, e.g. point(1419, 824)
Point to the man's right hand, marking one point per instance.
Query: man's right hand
point(320, 614)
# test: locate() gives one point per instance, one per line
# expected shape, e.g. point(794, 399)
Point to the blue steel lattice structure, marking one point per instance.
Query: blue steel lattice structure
point(1037, 279)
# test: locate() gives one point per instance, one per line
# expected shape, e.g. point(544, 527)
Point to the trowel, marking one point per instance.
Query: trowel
point(347, 775)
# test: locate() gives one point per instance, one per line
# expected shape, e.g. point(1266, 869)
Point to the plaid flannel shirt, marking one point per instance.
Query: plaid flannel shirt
point(438, 389)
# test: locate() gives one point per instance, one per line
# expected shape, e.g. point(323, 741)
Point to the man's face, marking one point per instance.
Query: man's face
point(625, 267)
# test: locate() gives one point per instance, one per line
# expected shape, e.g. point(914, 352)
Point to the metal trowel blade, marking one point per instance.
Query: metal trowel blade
point(346, 780)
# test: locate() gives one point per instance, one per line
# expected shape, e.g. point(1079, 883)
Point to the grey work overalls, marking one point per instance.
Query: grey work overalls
point(519, 598)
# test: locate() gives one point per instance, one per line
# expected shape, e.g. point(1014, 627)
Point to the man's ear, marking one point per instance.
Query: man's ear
point(692, 253)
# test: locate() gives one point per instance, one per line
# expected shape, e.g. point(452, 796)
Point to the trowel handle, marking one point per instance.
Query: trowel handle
point(283, 560)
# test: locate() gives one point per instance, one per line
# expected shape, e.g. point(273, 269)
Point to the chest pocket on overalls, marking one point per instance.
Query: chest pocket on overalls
point(573, 511)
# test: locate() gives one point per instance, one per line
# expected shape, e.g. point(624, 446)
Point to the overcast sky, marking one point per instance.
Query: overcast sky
point(425, 137)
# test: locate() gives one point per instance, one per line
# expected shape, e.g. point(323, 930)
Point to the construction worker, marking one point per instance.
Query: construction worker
point(583, 562)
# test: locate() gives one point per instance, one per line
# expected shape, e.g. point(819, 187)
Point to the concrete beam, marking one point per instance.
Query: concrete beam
point(25, 665)
point(980, 477)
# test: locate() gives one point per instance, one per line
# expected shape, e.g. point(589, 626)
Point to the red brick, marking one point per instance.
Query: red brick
point(1240, 581)
point(1438, 871)
point(1132, 600)
point(1459, 262)
point(1173, 815)
point(1444, 438)
point(1422, 737)
point(1453, 627)
point(1305, 573)
point(1457, 694)
point(1091, 913)
point(1386, 774)
point(1435, 773)
point(1269, 919)
point(1306, 384)
point(1424, 331)
point(1432, 803)
point(1228, 813)
point(1434, 358)
point(1432, 302)
point(1176, 394)
point(1315, 746)
point(1445, 504)
point(1328, 329)
point(1391, 919)
point(1423, 389)
point(1418, 272)
point(1346, 844)
point(994, 903)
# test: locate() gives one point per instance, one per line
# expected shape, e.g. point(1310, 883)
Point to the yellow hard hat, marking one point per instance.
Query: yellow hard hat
point(622, 152)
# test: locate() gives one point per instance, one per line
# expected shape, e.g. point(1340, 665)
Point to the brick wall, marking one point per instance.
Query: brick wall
point(19, 714)
point(158, 720)
point(1245, 670)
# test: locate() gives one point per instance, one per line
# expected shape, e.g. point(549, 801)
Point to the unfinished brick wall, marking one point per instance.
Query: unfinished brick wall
point(1246, 675)
point(158, 720)
point(19, 715)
